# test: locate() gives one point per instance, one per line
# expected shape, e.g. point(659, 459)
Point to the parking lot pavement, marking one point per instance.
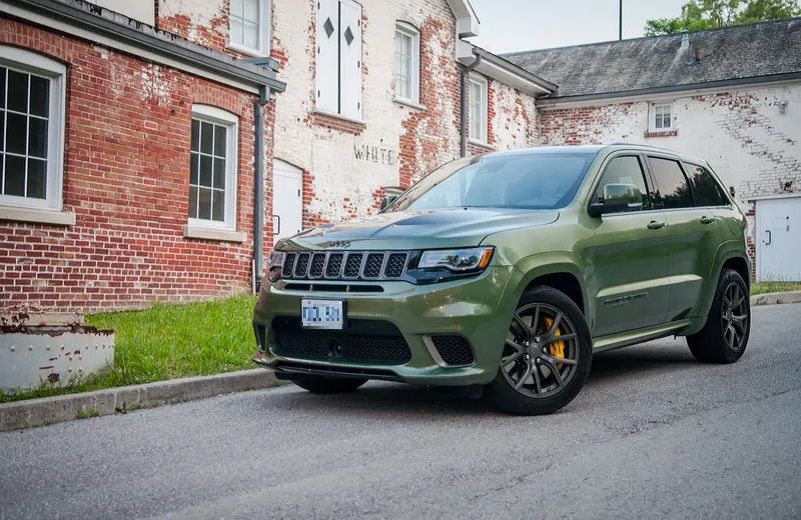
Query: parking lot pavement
point(653, 434)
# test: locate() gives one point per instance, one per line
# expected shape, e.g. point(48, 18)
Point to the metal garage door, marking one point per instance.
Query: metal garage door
point(778, 238)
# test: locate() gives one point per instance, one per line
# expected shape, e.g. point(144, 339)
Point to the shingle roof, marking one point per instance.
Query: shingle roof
point(641, 64)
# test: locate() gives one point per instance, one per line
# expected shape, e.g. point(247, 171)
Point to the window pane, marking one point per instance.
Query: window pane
point(2, 130)
point(219, 173)
point(236, 31)
point(193, 202)
point(672, 188)
point(17, 91)
point(220, 133)
point(37, 137)
point(205, 171)
point(204, 203)
point(251, 11)
point(622, 176)
point(15, 176)
point(195, 135)
point(193, 166)
point(17, 131)
point(3, 87)
point(218, 206)
point(236, 8)
point(206, 137)
point(251, 36)
point(706, 189)
point(37, 178)
point(40, 96)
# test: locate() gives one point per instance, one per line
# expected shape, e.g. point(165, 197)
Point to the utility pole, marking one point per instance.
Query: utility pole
point(620, 22)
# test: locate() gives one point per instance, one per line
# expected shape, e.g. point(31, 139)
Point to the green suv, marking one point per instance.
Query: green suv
point(510, 270)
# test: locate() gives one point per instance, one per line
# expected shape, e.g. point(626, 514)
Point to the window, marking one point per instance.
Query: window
point(212, 168)
point(672, 189)
point(339, 58)
point(478, 109)
point(706, 189)
point(407, 62)
point(31, 129)
point(661, 117)
point(249, 27)
point(622, 175)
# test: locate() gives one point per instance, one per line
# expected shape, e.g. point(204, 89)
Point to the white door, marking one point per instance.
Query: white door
point(287, 199)
point(778, 225)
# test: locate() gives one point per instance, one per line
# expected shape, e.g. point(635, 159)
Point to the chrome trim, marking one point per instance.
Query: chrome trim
point(428, 341)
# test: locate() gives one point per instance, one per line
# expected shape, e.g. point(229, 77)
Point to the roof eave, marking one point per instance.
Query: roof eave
point(510, 74)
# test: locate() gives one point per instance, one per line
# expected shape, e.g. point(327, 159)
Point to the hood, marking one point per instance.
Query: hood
point(418, 229)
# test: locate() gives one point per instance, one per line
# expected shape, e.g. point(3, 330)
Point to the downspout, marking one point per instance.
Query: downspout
point(258, 187)
point(463, 73)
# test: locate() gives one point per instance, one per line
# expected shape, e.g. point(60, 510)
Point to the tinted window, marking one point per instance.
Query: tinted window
point(622, 174)
point(706, 189)
point(525, 181)
point(672, 190)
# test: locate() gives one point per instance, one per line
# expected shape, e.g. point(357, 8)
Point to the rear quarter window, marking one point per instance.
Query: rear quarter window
point(706, 189)
point(672, 189)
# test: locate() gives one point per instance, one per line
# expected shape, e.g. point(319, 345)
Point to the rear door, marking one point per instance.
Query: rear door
point(694, 233)
point(629, 254)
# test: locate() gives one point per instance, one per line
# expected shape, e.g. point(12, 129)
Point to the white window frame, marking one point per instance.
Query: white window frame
point(33, 63)
point(481, 82)
point(218, 116)
point(653, 107)
point(264, 31)
point(405, 29)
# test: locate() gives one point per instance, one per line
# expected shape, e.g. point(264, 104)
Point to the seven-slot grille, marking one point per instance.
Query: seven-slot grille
point(351, 265)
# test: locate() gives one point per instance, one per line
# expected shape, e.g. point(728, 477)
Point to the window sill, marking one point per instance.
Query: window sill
point(662, 133)
point(220, 235)
point(480, 144)
point(247, 51)
point(41, 216)
point(359, 122)
point(408, 103)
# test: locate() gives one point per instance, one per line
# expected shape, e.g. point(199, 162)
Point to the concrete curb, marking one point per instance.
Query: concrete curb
point(776, 298)
point(50, 410)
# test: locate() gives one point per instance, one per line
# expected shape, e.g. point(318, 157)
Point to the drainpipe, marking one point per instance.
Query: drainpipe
point(464, 72)
point(258, 187)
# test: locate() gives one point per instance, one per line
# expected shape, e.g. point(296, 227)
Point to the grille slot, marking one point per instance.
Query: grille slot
point(454, 350)
point(339, 265)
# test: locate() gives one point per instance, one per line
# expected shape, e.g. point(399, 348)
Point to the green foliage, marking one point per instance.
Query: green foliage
point(697, 15)
point(771, 287)
point(167, 342)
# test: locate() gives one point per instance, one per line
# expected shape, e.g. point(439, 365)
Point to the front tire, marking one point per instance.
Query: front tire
point(546, 357)
point(328, 385)
point(725, 334)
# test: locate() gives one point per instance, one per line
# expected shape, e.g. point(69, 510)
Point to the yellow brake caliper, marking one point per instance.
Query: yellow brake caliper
point(557, 348)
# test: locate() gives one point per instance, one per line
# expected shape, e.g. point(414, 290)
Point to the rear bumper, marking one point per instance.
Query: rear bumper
point(478, 309)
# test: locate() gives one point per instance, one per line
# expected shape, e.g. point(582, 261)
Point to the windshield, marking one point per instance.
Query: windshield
point(524, 181)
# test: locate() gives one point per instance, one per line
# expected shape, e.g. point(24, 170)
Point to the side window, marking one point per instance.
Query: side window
point(706, 189)
point(672, 189)
point(622, 180)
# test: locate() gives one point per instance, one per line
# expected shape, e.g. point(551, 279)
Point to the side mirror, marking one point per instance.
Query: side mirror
point(617, 198)
point(389, 199)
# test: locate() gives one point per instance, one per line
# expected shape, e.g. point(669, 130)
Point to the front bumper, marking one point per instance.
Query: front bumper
point(479, 309)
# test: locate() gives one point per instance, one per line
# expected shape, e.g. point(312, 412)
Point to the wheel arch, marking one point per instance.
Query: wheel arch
point(559, 272)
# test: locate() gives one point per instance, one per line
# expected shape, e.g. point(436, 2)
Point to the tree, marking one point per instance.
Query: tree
point(697, 15)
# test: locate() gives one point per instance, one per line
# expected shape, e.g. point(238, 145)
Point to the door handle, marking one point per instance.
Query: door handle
point(276, 225)
point(707, 220)
point(770, 237)
point(656, 224)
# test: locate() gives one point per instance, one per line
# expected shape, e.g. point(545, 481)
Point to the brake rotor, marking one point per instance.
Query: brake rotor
point(557, 348)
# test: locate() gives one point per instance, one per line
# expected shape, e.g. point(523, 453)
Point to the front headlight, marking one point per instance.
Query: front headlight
point(275, 262)
point(457, 260)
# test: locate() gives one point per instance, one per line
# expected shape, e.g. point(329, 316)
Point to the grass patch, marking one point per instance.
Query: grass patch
point(168, 341)
point(770, 287)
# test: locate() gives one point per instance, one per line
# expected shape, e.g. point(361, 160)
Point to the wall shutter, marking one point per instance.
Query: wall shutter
point(350, 67)
point(327, 55)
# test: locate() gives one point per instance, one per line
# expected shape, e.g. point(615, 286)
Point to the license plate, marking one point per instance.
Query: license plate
point(322, 314)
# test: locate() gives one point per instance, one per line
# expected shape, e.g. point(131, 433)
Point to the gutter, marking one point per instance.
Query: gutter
point(464, 70)
point(79, 18)
point(258, 188)
point(546, 86)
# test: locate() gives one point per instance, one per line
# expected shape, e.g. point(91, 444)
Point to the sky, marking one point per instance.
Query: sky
point(517, 25)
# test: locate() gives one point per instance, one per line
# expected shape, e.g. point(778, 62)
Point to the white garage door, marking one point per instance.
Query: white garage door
point(778, 238)
point(287, 199)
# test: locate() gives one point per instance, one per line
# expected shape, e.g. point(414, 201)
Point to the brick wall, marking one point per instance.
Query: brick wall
point(126, 179)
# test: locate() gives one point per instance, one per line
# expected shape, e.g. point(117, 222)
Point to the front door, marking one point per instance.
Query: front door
point(778, 223)
point(630, 256)
point(287, 199)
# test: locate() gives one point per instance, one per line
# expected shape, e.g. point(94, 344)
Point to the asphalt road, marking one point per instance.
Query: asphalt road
point(653, 434)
